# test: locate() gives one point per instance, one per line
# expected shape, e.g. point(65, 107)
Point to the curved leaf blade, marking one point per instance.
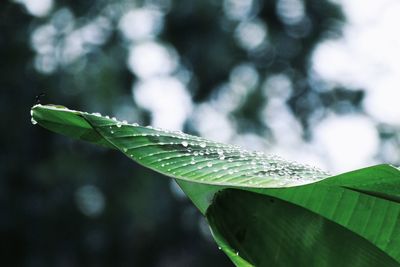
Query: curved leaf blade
point(179, 155)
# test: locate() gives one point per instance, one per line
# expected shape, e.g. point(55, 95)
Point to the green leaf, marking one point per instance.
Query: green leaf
point(363, 201)
point(267, 231)
point(263, 210)
point(179, 155)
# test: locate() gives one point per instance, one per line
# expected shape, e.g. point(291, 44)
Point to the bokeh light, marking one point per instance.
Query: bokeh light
point(141, 24)
point(152, 59)
point(169, 111)
point(349, 141)
point(251, 34)
point(39, 8)
point(90, 200)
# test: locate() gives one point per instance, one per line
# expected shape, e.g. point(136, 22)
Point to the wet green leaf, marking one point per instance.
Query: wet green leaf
point(263, 210)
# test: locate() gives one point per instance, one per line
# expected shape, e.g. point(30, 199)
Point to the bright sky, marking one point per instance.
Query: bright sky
point(366, 57)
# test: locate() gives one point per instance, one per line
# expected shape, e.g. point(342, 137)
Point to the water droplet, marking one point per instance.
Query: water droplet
point(184, 143)
point(119, 125)
point(203, 145)
point(209, 164)
point(112, 132)
point(219, 248)
point(33, 121)
point(96, 114)
point(125, 149)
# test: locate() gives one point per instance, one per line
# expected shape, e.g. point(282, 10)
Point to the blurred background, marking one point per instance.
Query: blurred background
point(313, 81)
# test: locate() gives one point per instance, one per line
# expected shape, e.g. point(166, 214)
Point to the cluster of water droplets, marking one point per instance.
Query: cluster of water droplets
point(193, 158)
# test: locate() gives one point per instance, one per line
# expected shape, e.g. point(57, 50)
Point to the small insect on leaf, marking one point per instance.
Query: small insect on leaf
point(38, 97)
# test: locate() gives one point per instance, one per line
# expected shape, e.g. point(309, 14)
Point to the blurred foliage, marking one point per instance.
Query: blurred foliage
point(143, 221)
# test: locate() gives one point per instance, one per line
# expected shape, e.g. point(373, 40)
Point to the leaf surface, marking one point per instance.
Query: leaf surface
point(179, 155)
